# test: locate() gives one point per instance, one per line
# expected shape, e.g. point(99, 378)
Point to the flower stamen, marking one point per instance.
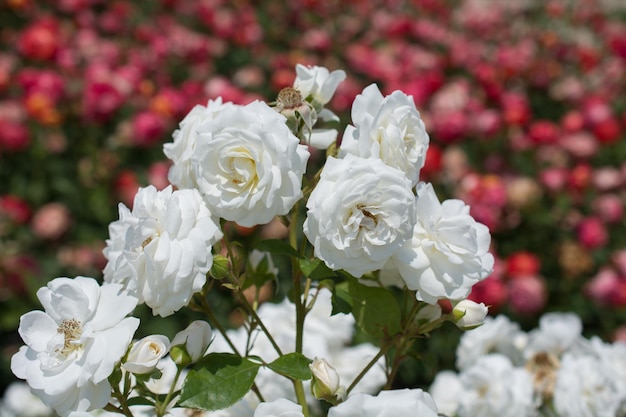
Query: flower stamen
point(71, 330)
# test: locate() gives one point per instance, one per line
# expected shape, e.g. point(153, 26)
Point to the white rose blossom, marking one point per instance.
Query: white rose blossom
point(493, 387)
point(359, 214)
point(145, 354)
point(247, 164)
point(584, 389)
point(388, 128)
point(325, 382)
point(557, 333)
point(278, 408)
point(185, 140)
point(448, 252)
point(497, 334)
point(161, 250)
point(446, 390)
point(72, 346)
point(394, 403)
point(19, 401)
point(317, 85)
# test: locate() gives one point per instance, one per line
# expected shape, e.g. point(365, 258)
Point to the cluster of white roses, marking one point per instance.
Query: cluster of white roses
point(367, 212)
point(550, 371)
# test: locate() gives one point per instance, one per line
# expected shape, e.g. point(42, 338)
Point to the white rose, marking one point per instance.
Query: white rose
point(557, 333)
point(497, 334)
point(248, 165)
point(278, 408)
point(492, 387)
point(388, 128)
point(72, 347)
point(446, 390)
point(161, 250)
point(395, 403)
point(195, 339)
point(185, 142)
point(449, 250)
point(468, 314)
point(146, 353)
point(318, 85)
point(584, 389)
point(18, 401)
point(359, 214)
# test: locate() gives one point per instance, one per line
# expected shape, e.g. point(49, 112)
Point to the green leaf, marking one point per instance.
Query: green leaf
point(277, 247)
point(315, 269)
point(293, 365)
point(218, 381)
point(341, 300)
point(375, 309)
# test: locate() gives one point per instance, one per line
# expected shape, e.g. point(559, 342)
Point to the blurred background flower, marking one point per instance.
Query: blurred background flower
point(524, 103)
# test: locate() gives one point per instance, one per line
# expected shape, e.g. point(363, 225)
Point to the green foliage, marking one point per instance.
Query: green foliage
point(293, 365)
point(218, 381)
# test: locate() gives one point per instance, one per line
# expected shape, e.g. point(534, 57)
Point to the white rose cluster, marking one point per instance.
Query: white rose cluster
point(504, 371)
point(161, 249)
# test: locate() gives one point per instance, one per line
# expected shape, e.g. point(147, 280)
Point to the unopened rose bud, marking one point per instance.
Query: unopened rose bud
point(468, 314)
point(146, 353)
point(190, 344)
point(220, 267)
point(325, 381)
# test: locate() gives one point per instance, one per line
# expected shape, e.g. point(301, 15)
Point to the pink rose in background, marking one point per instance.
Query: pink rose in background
point(51, 221)
point(527, 294)
point(592, 233)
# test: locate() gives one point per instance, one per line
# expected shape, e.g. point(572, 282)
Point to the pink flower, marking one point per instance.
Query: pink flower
point(607, 178)
point(157, 174)
point(101, 100)
point(14, 137)
point(148, 128)
point(592, 233)
point(491, 291)
point(40, 40)
point(607, 287)
point(554, 179)
point(14, 209)
point(609, 208)
point(527, 295)
point(580, 144)
point(542, 132)
point(51, 221)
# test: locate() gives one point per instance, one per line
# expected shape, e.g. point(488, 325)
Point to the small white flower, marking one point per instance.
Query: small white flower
point(318, 85)
point(494, 388)
point(195, 339)
point(146, 353)
point(388, 128)
point(469, 314)
point(72, 347)
point(449, 251)
point(161, 250)
point(278, 408)
point(247, 164)
point(395, 403)
point(359, 214)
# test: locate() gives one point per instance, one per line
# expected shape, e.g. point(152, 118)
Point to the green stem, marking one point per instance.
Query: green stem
point(123, 408)
point(161, 409)
point(258, 321)
point(299, 388)
point(382, 352)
